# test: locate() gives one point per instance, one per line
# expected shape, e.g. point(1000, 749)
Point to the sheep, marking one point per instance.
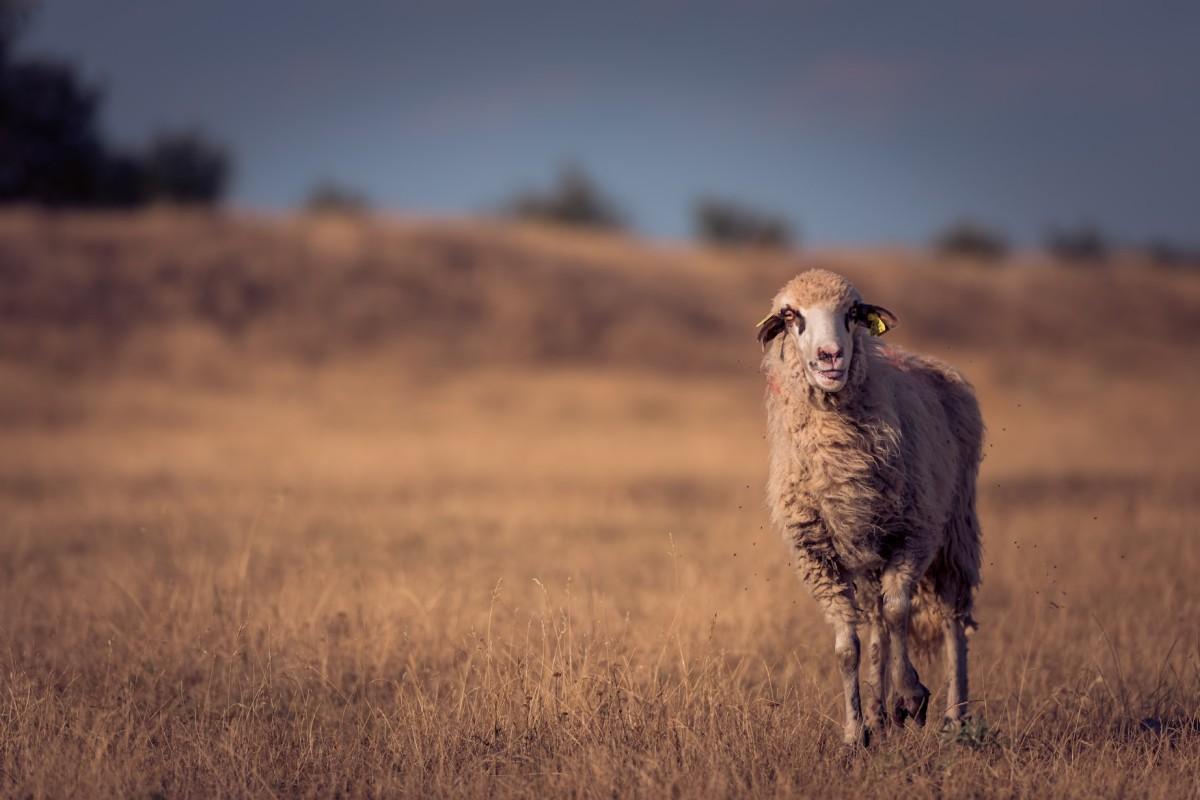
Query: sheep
point(874, 455)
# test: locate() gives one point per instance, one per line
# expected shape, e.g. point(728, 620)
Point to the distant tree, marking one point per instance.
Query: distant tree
point(14, 16)
point(329, 197)
point(972, 240)
point(574, 199)
point(1084, 243)
point(187, 168)
point(727, 222)
point(52, 151)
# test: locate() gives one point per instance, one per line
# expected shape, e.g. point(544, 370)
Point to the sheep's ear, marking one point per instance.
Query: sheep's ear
point(769, 327)
point(876, 319)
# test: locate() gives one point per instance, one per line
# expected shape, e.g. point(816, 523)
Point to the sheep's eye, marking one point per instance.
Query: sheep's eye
point(792, 317)
point(788, 314)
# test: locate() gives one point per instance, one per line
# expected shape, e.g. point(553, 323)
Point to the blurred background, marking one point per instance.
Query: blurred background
point(847, 122)
point(392, 365)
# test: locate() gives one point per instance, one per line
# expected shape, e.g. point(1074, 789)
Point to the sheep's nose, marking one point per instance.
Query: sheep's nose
point(829, 352)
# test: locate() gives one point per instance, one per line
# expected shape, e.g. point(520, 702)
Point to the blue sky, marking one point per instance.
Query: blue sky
point(861, 122)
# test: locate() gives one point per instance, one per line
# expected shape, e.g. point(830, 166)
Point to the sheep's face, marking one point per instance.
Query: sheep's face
point(819, 313)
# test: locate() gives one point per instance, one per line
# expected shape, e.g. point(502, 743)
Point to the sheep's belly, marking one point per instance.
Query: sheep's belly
point(860, 543)
point(859, 554)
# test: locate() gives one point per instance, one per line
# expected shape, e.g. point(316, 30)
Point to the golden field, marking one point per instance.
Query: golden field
point(305, 507)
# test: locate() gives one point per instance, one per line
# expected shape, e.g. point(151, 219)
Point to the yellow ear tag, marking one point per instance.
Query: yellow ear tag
point(763, 321)
point(876, 324)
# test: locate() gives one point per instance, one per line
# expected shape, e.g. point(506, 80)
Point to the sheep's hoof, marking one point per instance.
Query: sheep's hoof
point(955, 722)
point(878, 720)
point(859, 736)
point(914, 706)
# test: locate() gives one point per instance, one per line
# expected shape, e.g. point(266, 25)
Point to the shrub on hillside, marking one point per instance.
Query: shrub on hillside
point(1171, 254)
point(1084, 243)
point(330, 197)
point(574, 199)
point(727, 222)
point(967, 239)
point(186, 168)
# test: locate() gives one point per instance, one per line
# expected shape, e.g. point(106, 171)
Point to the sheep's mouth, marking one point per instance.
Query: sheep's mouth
point(829, 380)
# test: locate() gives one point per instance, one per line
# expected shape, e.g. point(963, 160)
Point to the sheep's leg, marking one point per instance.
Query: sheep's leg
point(911, 697)
point(846, 647)
point(835, 593)
point(956, 667)
point(877, 661)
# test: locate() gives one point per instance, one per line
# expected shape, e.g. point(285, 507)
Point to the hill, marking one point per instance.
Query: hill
point(98, 291)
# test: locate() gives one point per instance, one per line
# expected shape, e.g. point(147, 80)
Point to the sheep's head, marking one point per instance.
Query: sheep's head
point(821, 314)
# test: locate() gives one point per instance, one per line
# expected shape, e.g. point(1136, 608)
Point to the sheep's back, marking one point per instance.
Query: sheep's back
point(941, 432)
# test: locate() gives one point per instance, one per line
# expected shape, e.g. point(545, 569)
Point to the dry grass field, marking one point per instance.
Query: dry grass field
point(316, 508)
